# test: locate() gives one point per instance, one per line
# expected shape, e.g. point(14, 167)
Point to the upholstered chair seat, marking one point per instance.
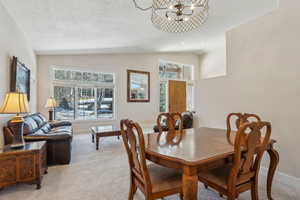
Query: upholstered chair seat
point(164, 179)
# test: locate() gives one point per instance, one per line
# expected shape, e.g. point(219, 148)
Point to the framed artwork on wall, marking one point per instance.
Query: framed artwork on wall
point(138, 86)
point(20, 77)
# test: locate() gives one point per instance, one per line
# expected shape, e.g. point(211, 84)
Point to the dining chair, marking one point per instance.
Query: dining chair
point(154, 181)
point(241, 118)
point(173, 121)
point(242, 174)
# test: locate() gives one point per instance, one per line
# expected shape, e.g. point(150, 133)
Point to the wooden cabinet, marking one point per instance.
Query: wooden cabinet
point(8, 170)
point(24, 165)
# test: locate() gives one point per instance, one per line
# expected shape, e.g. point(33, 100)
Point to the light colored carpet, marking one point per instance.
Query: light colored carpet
point(103, 175)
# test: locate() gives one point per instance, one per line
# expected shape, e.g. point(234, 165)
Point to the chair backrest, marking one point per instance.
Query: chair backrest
point(240, 120)
point(173, 122)
point(249, 146)
point(133, 139)
point(187, 119)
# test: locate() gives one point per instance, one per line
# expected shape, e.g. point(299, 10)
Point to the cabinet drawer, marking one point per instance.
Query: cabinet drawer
point(26, 165)
point(8, 170)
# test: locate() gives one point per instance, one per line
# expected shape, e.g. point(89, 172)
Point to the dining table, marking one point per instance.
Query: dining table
point(196, 149)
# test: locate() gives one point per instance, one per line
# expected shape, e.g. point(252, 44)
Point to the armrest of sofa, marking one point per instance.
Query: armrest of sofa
point(56, 124)
point(48, 137)
point(156, 130)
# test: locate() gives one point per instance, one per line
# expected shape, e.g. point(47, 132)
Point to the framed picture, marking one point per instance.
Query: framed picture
point(20, 77)
point(138, 86)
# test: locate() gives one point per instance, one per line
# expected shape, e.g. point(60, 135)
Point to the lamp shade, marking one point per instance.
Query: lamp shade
point(51, 103)
point(15, 103)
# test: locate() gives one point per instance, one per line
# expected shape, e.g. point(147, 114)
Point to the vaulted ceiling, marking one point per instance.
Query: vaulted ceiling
point(54, 26)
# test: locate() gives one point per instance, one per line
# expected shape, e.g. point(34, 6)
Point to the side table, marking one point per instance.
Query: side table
point(23, 165)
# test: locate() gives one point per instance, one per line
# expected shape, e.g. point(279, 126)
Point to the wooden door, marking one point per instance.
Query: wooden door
point(177, 96)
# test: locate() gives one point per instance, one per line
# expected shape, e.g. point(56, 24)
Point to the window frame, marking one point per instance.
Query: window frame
point(191, 82)
point(76, 85)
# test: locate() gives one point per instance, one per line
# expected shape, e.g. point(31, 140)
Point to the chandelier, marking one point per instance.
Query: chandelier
point(176, 16)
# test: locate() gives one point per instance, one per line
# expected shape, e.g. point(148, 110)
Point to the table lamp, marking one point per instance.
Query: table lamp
point(16, 103)
point(51, 105)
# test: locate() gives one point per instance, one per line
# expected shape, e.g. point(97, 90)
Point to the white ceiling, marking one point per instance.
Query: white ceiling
point(62, 26)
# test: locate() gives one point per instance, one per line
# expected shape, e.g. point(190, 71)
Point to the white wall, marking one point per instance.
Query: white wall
point(264, 78)
point(213, 58)
point(118, 64)
point(13, 43)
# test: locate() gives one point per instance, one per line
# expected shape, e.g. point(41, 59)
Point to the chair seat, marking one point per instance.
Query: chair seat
point(164, 179)
point(218, 176)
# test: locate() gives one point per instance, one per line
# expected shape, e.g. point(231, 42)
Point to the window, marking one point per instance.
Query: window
point(65, 99)
point(105, 101)
point(86, 103)
point(83, 77)
point(175, 71)
point(163, 97)
point(83, 95)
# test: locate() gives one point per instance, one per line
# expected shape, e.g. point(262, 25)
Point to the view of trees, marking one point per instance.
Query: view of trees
point(68, 75)
point(83, 102)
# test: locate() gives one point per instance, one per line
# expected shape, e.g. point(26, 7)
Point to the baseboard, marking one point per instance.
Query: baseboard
point(77, 132)
point(282, 178)
point(147, 128)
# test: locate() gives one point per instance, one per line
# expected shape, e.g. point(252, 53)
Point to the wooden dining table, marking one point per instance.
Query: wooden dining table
point(197, 149)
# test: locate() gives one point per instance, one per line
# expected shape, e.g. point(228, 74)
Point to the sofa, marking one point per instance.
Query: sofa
point(187, 118)
point(58, 136)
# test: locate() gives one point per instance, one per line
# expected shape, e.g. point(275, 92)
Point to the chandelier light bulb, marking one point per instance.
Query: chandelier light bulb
point(192, 7)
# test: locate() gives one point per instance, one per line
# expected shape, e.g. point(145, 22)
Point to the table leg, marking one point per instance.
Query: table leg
point(190, 183)
point(274, 160)
point(38, 186)
point(97, 142)
point(93, 138)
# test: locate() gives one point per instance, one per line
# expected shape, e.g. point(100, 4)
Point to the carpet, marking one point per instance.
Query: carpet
point(103, 175)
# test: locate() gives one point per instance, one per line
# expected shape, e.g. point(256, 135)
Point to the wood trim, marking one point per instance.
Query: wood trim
point(128, 86)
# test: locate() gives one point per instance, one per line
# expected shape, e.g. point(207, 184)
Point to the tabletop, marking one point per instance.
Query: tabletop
point(196, 146)
point(114, 128)
point(29, 146)
point(105, 128)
